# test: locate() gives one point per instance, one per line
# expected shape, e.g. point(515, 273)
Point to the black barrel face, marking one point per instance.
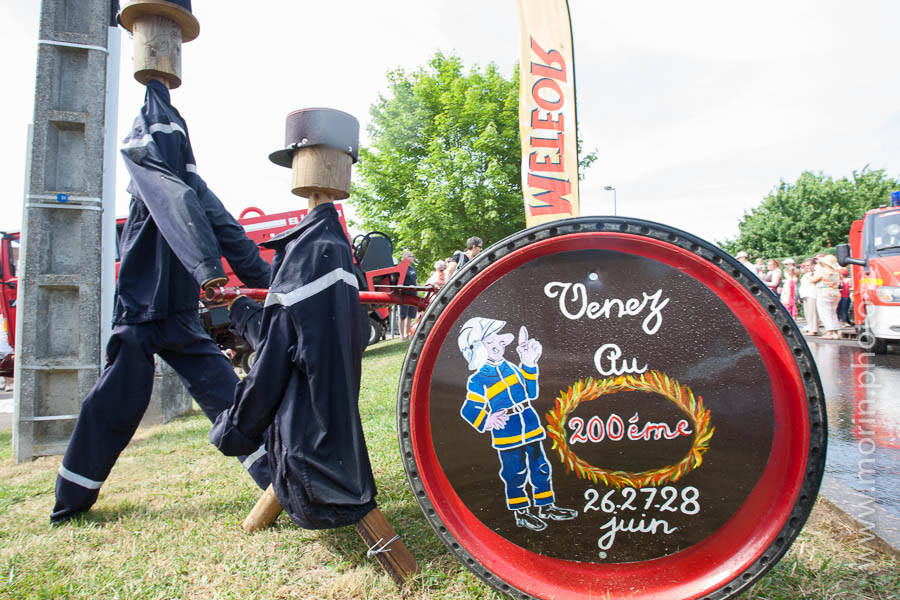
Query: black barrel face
point(608, 407)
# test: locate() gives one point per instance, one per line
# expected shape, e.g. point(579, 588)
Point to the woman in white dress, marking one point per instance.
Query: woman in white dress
point(807, 292)
point(828, 293)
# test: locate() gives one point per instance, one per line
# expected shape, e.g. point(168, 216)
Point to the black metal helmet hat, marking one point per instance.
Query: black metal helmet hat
point(174, 10)
point(318, 127)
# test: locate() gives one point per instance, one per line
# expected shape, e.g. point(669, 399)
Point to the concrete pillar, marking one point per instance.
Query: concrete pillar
point(58, 343)
point(169, 399)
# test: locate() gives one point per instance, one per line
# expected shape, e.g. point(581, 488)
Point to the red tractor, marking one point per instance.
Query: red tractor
point(378, 275)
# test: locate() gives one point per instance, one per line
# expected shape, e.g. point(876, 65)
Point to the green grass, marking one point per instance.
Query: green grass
point(167, 525)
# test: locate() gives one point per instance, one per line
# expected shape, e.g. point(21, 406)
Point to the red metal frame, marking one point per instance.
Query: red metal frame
point(859, 315)
point(400, 269)
point(400, 295)
point(259, 228)
point(689, 574)
point(262, 227)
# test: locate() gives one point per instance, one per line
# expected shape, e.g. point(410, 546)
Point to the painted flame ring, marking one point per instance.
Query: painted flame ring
point(651, 381)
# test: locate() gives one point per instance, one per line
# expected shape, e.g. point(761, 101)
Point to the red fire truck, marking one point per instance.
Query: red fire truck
point(372, 253)
point(874, 252)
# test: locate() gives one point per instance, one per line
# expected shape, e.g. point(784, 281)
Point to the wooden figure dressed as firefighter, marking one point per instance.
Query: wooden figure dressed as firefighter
point(171, 246)
point(304, 386)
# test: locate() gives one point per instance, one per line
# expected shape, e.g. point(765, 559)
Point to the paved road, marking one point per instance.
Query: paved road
point(6, 409)
point(862, 395)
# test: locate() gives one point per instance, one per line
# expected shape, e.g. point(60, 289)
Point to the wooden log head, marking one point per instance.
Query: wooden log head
point(159, 28)
point(174, 10)
point(157, 50)
point(321, 169)
point(321, 144)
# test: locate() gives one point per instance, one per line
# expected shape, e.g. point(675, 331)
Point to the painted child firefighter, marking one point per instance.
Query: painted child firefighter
point(498, 400)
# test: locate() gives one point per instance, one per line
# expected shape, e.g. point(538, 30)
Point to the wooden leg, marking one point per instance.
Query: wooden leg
point(386, 546)
point(264, 513)
point(380, 538)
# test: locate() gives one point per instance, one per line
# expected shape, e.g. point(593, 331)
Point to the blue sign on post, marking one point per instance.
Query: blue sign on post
point(62, 197)
point(895, 198)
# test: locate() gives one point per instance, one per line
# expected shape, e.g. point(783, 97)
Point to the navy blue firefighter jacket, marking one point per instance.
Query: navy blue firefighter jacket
point(177, 229)
point(305, 382)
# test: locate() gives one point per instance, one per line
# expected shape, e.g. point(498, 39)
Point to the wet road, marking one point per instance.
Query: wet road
point(862, 394)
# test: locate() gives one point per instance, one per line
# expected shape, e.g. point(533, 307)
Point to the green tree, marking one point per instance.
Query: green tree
point(444, 159)
point(810, 215)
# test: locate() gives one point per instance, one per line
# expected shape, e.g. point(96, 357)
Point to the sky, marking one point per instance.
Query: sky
point(697, 109)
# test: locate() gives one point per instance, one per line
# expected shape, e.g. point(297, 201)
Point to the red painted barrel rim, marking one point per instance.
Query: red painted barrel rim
point(723, 564)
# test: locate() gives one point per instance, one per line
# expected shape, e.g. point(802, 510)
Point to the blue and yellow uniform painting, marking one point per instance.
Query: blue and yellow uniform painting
point(498, 399)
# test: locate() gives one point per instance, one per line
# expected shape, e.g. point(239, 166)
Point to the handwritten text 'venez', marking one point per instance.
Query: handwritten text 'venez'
point(575, 305)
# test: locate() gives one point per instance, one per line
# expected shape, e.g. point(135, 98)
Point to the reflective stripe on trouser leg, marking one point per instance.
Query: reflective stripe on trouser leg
point(514, 473)
point(78, 479)
point(250, 460)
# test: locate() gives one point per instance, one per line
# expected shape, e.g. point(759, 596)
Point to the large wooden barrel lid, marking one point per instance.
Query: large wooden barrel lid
point(665, 423)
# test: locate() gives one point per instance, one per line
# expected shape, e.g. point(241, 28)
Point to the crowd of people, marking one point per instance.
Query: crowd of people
point(443, 271)
point(818, 290)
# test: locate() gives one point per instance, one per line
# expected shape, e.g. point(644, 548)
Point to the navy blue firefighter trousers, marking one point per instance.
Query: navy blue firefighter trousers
point(111, 412)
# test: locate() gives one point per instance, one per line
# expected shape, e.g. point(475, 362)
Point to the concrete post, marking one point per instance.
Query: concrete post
point(169, 399)
point(58, 344)
point(67, 270)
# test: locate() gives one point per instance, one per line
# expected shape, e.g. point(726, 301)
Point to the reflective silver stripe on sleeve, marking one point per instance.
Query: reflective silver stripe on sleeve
point(137, 142)
point(260, 452)
point(312, 288)
point(167, 128)
point(190, 168)
point(79, 479)
point(155, 128)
